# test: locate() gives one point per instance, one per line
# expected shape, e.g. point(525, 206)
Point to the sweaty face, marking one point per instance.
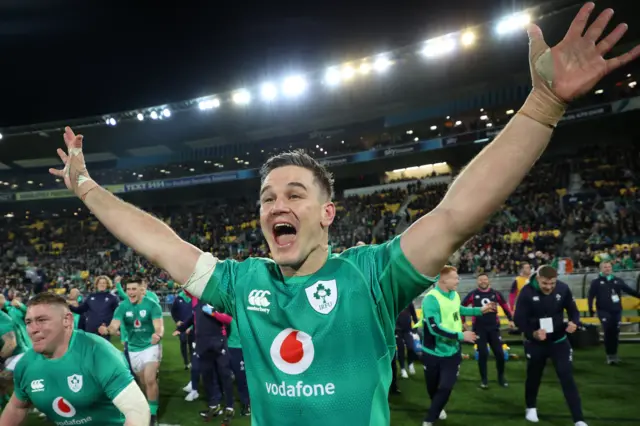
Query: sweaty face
point(547, 284)
point(450, 280)
point(606, 268)
point(483, 282)
point(135, 292)
point(294, 214)
point(46, 325)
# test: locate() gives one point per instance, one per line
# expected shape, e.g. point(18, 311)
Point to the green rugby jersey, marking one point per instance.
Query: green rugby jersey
point(17, 314)
point(76, 317)
point(441, 313)
point(78, 388)
point(7, 325)
point(137, 320)
point(317, 348)
point(234, 336)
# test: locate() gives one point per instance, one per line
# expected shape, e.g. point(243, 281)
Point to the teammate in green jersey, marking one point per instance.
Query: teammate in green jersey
point(75, 299)
point(142, 320)
point(442, 335)
point(145, 285)
point(318, 328)
point(73, 377)
point(236, 359)
point(11, 350)
point(17, 311)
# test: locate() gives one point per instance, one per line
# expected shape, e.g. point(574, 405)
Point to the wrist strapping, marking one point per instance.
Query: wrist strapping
point(542, 105)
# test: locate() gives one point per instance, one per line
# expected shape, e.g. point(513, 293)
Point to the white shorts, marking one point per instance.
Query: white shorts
point(11, 362)
point(144, 357)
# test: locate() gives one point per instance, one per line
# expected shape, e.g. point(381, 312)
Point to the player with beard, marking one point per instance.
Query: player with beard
point(142, 320)
point(292, 309)
point(487, 328)
point(71, 376)
point(539, 314)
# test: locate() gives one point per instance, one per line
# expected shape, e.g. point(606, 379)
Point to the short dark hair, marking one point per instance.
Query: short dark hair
point(300, 158)
point(482, 274)
point(547, 272)
point(133, 279)
point(47, 298)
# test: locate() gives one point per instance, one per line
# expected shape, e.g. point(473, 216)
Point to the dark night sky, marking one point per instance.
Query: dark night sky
point(62, 59)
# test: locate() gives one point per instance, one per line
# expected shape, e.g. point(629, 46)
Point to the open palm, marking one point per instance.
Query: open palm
point(73, 160)
point(578, 60)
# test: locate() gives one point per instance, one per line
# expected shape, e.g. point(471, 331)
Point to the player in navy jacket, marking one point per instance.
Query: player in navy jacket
point(540, 316)
point(487, 328)
point(181, 311)
point(607, 290)
point(99, 306)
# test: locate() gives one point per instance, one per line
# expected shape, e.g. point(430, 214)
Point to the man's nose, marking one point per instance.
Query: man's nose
point(280, 205)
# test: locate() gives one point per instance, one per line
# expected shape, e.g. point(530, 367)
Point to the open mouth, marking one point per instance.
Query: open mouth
point(284, 234)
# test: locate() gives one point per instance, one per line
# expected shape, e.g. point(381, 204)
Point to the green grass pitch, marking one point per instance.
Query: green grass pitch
point(609, 394)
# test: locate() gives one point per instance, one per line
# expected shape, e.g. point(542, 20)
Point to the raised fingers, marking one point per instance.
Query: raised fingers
point(57, 173)
point(597, 27)
point(63, 155)
point(607, 43)
point(580, 21)
point(623, 59)
point(69, 136)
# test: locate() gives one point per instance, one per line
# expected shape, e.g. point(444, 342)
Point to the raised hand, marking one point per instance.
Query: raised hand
point(75, 174)
point(576, 64)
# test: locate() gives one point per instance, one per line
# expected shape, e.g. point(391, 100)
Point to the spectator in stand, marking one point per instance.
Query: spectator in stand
point(518, 283)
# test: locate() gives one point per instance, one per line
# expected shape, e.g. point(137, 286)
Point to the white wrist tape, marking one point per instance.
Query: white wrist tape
point(133, 404)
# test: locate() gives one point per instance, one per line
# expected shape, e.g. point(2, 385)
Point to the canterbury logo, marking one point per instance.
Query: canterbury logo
point(259, 301)
point(37, 385)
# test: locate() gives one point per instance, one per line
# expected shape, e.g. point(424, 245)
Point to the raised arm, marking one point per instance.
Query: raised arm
point(9, 344)
point(145, 234)
point(80, 309)
point(559, 75)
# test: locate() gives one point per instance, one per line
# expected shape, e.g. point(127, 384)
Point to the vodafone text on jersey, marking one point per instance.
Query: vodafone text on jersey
point(292, 352)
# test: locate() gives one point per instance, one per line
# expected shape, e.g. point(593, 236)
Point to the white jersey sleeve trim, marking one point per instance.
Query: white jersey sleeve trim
point(201, 275)
point(133, 404)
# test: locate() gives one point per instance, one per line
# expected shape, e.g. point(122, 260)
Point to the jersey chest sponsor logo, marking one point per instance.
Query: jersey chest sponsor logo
point(63, 408)
point(37, 385)
point(292, 352)
point(75, 382)
point(323, 296)
point(258, 301)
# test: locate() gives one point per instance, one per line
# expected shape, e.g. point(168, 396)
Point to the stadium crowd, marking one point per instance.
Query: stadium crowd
point(585, 208)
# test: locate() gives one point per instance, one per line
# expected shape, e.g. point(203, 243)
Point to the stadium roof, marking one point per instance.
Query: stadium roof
point(135, 69)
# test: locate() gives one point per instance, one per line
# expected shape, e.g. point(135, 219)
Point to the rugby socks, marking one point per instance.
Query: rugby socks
point(153, 406)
